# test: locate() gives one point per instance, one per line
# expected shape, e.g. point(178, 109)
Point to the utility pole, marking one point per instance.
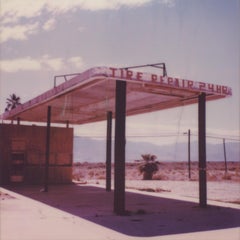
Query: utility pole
point(225, 155)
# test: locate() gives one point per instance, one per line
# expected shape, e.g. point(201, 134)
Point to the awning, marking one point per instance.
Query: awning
point(89, 95)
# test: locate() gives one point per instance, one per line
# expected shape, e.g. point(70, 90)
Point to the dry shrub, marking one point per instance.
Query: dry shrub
point(211, 177)
point(227, 176)
point(160, 177)
point(91, 174)
point(100, 175)
point(237, 172)
point(76, 177)
point(168, 171)
point(147, 189)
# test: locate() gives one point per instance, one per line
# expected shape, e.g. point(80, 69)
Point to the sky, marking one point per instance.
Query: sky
point(198, 40)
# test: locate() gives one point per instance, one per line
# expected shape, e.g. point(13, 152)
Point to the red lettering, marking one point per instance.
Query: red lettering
point(183, 83)
point(122, 73)
point(154, 78)
point(113, 71)
point(176, 82)
point(129, 74)
point(170, 81)
point(202, 85)
point(224, 89)
point(211, 87)
point(190, 84)
point(139, 75)
point(162, 79)
point(219, 89)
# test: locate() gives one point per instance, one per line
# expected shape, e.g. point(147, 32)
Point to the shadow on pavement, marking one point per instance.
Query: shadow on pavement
point(148, 215)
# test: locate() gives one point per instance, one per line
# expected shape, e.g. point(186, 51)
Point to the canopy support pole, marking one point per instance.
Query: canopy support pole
point(202, 149)
point(189, 154)
point(109, 151)
point(47, 149)
point(119, 154)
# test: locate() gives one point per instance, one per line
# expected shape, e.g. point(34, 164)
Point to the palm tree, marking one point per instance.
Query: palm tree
point(12, 102)
point(149, 166)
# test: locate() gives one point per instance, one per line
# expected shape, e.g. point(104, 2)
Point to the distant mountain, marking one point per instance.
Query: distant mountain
point(93, 150)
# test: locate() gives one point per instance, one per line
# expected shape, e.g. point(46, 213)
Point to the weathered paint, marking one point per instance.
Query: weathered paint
point(30, 140)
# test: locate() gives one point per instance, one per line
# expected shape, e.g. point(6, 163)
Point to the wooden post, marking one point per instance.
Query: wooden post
point(119, 154)
point(202, 149)
point(47, 149)
point(109, 151)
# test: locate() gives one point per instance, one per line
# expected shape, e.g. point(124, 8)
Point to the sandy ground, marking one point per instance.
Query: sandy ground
point(223, 191)
point(159, 209)
point(85, 212)
point(172, 177)
point(174, 171)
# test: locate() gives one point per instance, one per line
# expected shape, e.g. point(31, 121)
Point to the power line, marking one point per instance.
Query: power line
point(230, 138)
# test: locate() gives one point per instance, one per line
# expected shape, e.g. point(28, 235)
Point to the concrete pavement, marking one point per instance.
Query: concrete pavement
point(69, 212)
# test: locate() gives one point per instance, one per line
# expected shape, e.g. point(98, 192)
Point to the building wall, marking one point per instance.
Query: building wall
point(22, 152)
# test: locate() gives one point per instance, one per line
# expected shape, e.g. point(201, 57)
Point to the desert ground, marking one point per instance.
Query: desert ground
point(172, 171)
point(163, 208)
point(172, 177)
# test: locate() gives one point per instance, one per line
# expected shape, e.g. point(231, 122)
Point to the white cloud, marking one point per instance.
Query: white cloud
point(169, 3)
point(49, 25)
point(18, 32)
point(51, 63)
point(22, 32)
point(20, 64)
point(76, 62)
point(110, 5)
point(12, 10)
point(43, 62)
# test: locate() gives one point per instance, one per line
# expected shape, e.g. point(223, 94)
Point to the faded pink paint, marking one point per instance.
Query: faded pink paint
point(86, 97)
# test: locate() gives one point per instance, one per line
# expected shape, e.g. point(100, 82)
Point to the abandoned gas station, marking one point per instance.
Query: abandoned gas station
point(102, 93)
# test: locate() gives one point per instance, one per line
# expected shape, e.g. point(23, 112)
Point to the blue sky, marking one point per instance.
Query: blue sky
point(198, 40)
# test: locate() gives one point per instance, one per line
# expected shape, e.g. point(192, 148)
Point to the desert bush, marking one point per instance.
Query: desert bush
point(149, 166)
point(91, 174)
point(160, 177)
point(211, 177)
point(227, 176)
point(101, 175)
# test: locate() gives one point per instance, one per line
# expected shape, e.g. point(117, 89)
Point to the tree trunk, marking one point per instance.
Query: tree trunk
point(147, 175)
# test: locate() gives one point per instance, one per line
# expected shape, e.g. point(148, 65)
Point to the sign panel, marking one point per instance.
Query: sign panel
point(169, 81)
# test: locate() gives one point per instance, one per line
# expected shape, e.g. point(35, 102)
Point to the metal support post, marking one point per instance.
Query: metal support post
point(202, 149)
point(119, 155)
point(109, 151)
point(189, 153)
point(47, 149)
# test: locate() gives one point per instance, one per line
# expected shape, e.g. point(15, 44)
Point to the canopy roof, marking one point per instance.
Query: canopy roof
point(88, 96)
